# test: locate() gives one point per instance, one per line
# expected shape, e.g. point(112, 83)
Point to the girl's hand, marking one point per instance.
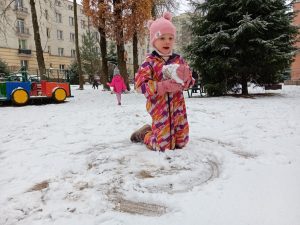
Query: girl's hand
point(184, 73)
point(168, 86)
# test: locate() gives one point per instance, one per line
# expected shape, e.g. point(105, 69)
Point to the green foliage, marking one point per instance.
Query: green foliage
point(215, 89)
point(73, 73)
point(112, 53)
point(239, 41)
point(4, 67)
point(90, 54)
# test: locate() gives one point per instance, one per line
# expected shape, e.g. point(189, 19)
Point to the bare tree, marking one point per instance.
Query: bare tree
point(4, 20)
point(119, 36)
point(98, 10)
point(36, 33)
point(37, 40)
point(77, 46)
point(160, 6)
point(140, 13)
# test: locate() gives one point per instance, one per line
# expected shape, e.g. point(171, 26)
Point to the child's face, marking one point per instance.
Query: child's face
point(164, 43)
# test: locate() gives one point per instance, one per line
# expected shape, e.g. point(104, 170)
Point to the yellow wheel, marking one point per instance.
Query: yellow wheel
point(59, 95)
point(19, 97)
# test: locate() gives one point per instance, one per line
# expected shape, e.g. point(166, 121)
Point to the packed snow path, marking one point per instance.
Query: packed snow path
point(73, 163)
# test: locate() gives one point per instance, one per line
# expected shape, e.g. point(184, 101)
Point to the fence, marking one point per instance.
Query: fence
point(51, 74)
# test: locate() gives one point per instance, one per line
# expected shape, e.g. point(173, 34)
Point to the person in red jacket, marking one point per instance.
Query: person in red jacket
point(118, 84)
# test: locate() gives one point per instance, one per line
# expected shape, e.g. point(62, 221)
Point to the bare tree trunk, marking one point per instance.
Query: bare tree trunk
point(244, 85)
point(77, 46)
point(122, 63)
point(4, 20)
point(135, 53)
point(103, 47)
point(153, 11)
point(120, 41)
point(37, 40)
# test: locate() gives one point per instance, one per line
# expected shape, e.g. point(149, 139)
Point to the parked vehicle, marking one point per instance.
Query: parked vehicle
point(20, 88)
point(20, 77)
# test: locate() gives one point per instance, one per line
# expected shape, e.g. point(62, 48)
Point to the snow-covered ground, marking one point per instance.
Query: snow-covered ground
point(73, 163)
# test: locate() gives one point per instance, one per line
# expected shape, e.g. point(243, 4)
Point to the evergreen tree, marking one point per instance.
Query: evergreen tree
point(3, 67)
point(73, 73)
point(90, 56)
point(240, 41)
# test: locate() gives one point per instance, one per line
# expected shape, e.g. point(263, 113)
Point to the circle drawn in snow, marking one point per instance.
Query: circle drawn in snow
point(176, 177)
point(144, 171)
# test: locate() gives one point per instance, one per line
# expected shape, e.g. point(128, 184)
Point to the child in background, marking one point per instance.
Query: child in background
point(95, 84)
point(165, 101)
point(117, 84)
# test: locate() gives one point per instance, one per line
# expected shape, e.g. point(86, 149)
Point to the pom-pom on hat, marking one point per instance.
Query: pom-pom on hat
point(116, 71)
point(160, 26)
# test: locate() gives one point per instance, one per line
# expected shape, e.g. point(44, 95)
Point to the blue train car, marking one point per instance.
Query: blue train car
point(17, 92)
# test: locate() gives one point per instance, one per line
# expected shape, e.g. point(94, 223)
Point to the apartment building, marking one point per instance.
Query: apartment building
point(295, 67)
point(183, 33)
point(56, 26)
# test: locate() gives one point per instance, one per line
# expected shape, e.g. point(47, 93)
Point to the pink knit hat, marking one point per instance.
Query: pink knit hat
point(160, 26)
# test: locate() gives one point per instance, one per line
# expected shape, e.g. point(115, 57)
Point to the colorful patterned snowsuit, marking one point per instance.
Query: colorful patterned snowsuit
point(170, 128)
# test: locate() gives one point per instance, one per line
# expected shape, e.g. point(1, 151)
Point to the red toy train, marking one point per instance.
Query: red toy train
point(21, 90)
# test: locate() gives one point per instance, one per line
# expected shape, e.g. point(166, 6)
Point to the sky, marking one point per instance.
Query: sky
point(73, 163)
point(183, 6)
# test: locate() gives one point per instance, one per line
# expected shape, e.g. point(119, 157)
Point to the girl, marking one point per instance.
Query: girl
point(165, 101)
point(118, 84)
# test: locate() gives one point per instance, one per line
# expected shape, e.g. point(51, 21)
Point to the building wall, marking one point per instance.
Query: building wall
point(47, 11)
point(183, 34)
point(295, 67)
point(49, 27)
point(9, 43)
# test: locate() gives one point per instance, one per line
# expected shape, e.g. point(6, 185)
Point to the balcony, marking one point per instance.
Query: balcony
point(25, 52)
point(21, 11)
point(22, 31)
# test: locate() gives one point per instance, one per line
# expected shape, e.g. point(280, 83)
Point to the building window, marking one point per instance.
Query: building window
point(60, 51)
point(58, 3)
point(48, 32)
point(73, 53)
point(58, 18)
point(70, 7)
point(46, 14)
point(20, 26)
point(71, 21)
point(49, 50)
point(96, 35)
point(59, 35)
point(82, 22)
point(72, 37)
point(61, 67)
point(22, 44)
point(19, 4)
point(24, 63)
